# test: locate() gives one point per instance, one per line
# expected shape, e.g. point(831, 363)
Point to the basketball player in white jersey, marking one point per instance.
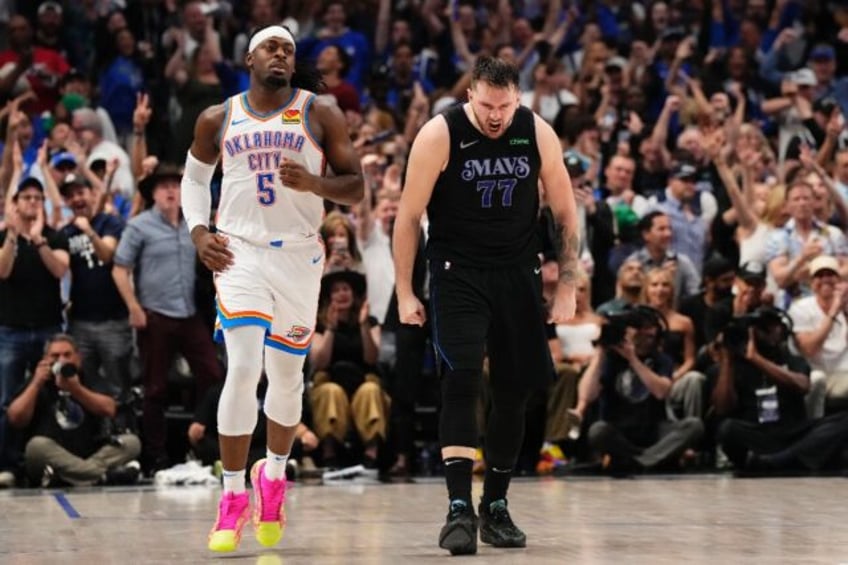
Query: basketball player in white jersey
point(275, 141)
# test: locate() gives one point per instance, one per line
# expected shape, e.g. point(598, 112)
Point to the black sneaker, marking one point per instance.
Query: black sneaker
point(459, 534)
point(123, 475)
point(496, 527)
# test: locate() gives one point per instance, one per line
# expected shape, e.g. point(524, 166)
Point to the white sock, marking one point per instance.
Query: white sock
point(275, 465)
point(234, 481)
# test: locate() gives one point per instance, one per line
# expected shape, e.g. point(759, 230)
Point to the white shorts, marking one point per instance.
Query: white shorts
point(275, 288)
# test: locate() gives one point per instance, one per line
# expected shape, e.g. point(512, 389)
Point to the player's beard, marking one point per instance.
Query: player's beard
point(276, 82)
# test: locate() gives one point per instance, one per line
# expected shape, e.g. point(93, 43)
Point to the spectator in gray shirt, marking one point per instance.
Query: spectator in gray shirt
point(157, 251)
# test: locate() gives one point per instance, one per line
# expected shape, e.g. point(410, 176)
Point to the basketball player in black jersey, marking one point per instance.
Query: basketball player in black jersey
point(475, 169)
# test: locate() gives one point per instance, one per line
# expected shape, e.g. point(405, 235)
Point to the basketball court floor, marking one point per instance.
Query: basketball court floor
point(691, 520)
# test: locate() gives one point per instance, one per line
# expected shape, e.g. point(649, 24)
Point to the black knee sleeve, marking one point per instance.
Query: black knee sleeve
point(505, 431)
point(458, 421)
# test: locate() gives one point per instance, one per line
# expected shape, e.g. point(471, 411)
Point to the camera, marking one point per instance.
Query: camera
point(64, 370)
point(735, 336)
point(641, 316)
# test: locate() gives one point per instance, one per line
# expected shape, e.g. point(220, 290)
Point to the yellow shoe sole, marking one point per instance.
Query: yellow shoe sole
point(223, 541)
point(269, 534)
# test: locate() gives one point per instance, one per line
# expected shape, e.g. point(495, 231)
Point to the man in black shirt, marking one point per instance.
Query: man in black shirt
point(718, 285)
point(33, 260)
point(67, 421)
point(475, 169)
point(632, 380)
point(760, 398)
point(98, 317)
point(748, 288)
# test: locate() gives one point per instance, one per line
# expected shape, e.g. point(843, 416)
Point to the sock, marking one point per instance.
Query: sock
point(234, 481)
point(458, 478)
point(495, 484)
point(275, 465)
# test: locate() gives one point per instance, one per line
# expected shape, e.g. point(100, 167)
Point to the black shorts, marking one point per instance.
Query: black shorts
point(496, 312)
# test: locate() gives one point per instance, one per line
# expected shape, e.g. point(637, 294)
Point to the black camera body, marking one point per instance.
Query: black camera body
point(640, 316)
point(64, 370)
point(735, 335)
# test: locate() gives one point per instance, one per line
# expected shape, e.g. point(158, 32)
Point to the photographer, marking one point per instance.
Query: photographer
point(760, 394)
point(68, 422)
point(746, 296)
point(632, 378)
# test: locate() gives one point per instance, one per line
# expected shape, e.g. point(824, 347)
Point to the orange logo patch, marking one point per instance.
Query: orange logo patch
point(298, 333)
point(291, 116)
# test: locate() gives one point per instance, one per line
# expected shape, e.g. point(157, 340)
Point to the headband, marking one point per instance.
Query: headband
point(269, 32)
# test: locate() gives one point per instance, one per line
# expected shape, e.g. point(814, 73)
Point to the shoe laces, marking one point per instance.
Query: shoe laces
point(499, 513)
point(231, 509)
point(273, 496)
point(457, 508)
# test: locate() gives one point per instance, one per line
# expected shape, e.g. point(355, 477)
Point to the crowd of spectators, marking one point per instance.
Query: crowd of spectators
point(708, 151)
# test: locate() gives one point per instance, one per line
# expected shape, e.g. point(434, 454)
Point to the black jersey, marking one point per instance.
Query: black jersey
point(484, 207)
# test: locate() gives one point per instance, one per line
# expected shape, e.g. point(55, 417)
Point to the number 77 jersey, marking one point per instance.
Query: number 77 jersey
point(485, 204)
point(255, 205)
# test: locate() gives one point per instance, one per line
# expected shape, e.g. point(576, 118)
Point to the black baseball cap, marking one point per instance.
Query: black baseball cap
point(825, 105)
point(70, 181)
point(716, 266)
point(29, 182)
point(684, 170)
point(752, 271)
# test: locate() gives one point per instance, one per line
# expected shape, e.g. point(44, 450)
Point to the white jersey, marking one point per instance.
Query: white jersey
point(254, 205)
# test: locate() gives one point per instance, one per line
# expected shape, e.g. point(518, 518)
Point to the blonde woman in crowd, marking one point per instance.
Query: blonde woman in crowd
point(678, 343)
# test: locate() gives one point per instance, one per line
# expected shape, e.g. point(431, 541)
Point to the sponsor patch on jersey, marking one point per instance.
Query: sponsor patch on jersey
point(291, 116)
point(519, 141)
point(298, 333)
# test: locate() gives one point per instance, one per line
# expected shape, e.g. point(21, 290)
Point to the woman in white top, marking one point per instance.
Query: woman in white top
point(748, 205)
point(571, 351)
point(574, 338)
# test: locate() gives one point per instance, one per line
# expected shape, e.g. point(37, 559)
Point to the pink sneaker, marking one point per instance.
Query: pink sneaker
point(233, 511)
point(269, 516)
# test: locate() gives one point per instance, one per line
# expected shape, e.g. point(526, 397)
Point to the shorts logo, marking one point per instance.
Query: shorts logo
point(298, 333)
point(291, 116)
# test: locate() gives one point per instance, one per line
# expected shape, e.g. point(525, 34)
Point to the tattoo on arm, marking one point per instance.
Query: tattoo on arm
point(568, 256)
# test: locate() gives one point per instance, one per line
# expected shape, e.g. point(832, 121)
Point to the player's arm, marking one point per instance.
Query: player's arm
point(347, 185)
point(195, 195)
point(560, 196)
point(200, 165)
point(427, 158)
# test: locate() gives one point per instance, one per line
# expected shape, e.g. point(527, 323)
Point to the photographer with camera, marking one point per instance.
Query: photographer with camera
point(632, 377)
point(68, 424)
point(821, 330)
point(746, 296)
point(760, 396)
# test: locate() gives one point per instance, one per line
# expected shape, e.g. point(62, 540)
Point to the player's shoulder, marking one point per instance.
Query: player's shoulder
point(435, 131)
point(323, 105)
point(214, 115)
point(539, 122)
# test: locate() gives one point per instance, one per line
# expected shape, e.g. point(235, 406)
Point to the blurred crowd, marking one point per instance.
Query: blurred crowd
point(708, 152)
